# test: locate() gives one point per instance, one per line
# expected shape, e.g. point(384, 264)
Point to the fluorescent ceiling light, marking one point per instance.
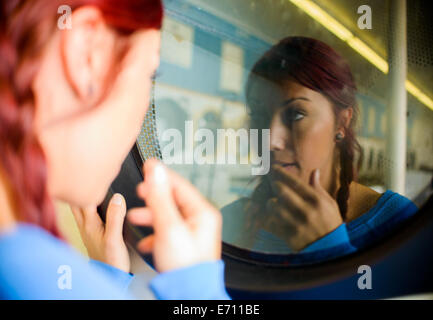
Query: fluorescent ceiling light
point(318, 14)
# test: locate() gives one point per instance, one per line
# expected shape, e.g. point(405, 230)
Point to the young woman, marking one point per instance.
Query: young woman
point(71, 105)
point(310, 203)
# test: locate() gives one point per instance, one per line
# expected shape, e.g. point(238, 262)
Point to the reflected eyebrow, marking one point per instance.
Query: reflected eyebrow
point(289, 101)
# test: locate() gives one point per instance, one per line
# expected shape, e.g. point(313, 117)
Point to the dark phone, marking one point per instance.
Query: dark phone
point(129, 177)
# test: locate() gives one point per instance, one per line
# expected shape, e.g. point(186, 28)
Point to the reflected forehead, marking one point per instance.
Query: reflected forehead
point(313, 101)
point(292, 90)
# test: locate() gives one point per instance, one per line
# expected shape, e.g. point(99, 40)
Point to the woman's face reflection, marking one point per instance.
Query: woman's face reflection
point(303, 128)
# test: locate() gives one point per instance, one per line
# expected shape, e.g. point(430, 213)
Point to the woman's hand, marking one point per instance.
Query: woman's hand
point(300, 213)
point(187, 228)
point(104, 242)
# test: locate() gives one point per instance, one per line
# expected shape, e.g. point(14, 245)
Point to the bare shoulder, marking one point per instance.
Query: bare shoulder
point(361, 199)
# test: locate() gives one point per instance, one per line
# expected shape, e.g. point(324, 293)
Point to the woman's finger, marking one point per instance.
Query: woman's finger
point(315, 183)
point(294, 203)
point(78, 215)
point(146, 244)
point(277, 220)
point(140, 216)
point(189, 200)
point(142, 190)
point(115, 217)
point(304, 190)
point(91, 220)
point(279, 213)
point(159, 197)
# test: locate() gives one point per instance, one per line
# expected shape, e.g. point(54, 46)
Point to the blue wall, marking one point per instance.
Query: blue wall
point(209, 32)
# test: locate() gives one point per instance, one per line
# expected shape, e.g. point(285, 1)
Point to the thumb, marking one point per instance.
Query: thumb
point(159, 195)
point(315, 181)
point(115, 217)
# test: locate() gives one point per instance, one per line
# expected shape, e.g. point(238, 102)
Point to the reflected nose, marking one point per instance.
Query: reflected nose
point(280, 135)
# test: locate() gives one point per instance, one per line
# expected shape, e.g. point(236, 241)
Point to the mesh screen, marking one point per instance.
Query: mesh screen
point(147, 140)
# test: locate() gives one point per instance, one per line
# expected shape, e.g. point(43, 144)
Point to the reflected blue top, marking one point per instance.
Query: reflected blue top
point(36, 265)
point(390, 210)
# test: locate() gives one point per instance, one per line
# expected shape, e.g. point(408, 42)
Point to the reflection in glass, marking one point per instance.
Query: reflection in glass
point(219, 71)
point(305, 93)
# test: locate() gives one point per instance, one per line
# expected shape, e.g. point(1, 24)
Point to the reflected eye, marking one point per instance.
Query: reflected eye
point(291, 115)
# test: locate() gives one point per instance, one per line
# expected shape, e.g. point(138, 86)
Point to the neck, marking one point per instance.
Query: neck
point(7, 217)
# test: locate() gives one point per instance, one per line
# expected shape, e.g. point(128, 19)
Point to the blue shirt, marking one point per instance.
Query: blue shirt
point(36, 265)
point(390, 210)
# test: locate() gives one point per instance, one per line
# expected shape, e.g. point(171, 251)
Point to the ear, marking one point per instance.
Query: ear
point(87, 53)
point(345, 118)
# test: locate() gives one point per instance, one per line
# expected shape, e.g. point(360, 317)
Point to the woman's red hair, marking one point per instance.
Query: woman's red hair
point(25, 27)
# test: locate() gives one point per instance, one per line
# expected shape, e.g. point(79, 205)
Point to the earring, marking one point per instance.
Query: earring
point(339, 136)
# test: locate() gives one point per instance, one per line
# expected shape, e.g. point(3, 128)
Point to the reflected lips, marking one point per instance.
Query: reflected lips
point(287, 165)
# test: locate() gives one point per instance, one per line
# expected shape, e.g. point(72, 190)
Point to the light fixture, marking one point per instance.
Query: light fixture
point(318, 14)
